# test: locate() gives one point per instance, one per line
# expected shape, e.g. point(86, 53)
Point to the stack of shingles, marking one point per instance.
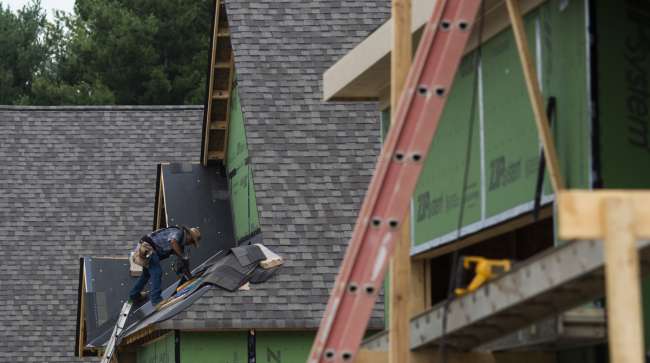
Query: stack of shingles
point(253, 263)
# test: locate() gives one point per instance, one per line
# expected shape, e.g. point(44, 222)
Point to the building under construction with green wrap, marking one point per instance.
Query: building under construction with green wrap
point(513, 250)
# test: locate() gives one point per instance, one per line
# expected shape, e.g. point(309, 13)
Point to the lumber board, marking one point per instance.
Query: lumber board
point(228, 104)
point(579, 212)
point(493, 231)
point(535, 94)
point(432, 356)
point(213, 58)
point(420, 286)
point(400, 264)
point(622, 280)
point(82, 314)
point(371, 356)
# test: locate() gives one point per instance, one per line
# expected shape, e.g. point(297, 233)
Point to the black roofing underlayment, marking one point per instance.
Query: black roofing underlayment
point(195, 196)
point(224, 270)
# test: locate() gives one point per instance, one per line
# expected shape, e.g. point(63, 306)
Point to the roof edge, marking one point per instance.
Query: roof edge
point(100, 107)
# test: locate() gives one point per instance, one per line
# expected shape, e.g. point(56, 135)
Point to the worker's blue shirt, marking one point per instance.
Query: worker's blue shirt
point(162, 240)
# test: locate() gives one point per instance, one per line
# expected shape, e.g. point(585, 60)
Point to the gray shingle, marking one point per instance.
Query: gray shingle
point(312, 160)
point(74, 181)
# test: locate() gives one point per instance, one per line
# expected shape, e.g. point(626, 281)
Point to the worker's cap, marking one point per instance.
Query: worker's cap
point(195, 232)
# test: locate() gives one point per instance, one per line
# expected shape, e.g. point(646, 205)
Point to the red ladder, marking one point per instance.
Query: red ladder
point(397, 171)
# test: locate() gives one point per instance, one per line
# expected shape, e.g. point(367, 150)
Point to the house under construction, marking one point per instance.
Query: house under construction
point(490, 199)
point(514, 114)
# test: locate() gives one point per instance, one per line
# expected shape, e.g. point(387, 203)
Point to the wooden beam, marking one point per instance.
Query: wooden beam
point(164, 199)
point(532, 84)
point(493, 231)
point(619, 218)
point(431, 356)
point(400, 265)
point(420, 299)
point(81, 344)
point(231, 78)
point(213, 58)
point(622, 282)
point(579, 212)
point(371, 356)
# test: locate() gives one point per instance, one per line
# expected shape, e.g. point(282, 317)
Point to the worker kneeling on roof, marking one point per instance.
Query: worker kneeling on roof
point(155, 247)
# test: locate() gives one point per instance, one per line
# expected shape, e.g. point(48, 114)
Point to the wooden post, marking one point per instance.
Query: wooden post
point(532, 84)
point(619, 218)
point(400, 266)
point(622, 282)
point(420, 299)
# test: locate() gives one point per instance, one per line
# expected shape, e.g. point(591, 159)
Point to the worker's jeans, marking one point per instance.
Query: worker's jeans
point(155, 272)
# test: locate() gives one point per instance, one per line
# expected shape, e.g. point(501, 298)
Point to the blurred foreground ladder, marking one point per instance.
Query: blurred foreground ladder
point(117, 332)
point(398, 168)
point(553, 282)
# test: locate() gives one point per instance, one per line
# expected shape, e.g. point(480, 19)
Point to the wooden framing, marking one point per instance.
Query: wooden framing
point(161, 210)
point(620, 218)
point(505, 227)
point(363, 73)
point(400, 265)
point(432, 356)
point(535, 94)
point(215, 128)
point(81, 342)
point(580, 212)
point(420, 285)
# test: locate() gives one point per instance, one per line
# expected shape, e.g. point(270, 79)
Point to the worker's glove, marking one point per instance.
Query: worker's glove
point(182, 265)
point(178, 265)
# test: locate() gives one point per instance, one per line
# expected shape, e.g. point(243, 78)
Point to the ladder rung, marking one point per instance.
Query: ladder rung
point(216, 155)
point(220, 95)
point(218, 125)
point(222, 65)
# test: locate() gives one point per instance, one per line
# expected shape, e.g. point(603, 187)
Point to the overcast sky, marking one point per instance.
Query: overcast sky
point(48, 5)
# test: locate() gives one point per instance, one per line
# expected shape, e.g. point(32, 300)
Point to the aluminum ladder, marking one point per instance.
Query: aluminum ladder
point(117, 332)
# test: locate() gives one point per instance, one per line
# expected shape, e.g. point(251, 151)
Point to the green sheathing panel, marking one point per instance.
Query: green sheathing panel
point(624, 92)
point(159, 351)
point(565, 77)
point(505, 147)
point(511, 141)
point(283, 347)
point(242, 189)
point(624, 102)
point(214, 347)
point(438, 193)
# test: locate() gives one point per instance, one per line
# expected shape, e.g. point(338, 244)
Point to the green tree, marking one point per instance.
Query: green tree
point(137, 52)
point(23, 50)
point(106, 52)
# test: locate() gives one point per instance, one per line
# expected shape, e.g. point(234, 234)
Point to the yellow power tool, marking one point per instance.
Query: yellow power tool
point(484, 270)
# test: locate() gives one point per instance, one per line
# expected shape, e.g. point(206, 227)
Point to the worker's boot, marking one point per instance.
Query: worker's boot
point(142, 297)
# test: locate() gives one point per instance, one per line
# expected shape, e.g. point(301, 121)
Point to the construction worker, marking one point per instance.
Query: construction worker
point(155, 247)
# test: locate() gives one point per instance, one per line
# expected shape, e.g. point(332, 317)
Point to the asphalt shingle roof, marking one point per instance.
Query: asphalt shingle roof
point(74, 181)
point(312, 161)
point(81, 180)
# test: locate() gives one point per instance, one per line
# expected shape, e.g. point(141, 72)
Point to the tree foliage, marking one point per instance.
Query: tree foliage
point(22, 50)
point(110, 51)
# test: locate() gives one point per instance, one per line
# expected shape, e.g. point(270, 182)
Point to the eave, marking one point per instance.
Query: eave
point(363, 74)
